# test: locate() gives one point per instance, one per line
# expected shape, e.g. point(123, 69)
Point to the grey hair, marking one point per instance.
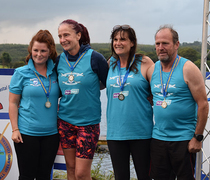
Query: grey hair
point(174, 33)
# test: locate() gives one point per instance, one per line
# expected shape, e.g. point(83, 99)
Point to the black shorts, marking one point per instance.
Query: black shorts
point(168, 157)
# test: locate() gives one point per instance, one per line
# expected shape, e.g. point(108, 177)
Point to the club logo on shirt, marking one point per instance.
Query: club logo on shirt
point(35, 82)
point(160, 93)
point(5, 157)
point(71, 81)
point(117, 83)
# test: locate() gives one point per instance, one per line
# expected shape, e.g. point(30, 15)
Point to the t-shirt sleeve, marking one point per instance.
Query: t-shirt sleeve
point(99, 66)
point(16, 83)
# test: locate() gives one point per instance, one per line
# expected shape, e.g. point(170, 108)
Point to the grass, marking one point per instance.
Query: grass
point(96, 173)
point(4, 67)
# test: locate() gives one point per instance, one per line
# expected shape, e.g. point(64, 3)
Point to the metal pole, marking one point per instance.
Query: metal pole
point(203, 71)
point(204, 37)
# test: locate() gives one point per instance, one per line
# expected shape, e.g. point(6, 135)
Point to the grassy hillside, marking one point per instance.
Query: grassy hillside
point(18, 52)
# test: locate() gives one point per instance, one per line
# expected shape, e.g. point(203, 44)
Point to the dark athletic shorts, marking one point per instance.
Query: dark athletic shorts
point(168, 157)
point(83, 138)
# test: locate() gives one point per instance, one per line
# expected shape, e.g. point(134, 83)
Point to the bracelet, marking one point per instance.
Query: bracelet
point(15, 130)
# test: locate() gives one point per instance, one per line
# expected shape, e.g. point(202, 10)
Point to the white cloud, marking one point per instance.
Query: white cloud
point(20, 20)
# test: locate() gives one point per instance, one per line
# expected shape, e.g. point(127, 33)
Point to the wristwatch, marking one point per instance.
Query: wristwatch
point(199, 137)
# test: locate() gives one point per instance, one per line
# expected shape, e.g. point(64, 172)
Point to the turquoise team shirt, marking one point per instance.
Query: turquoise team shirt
point(131, 118)
point(80, 102)
point(34, 118)
point(178, 120)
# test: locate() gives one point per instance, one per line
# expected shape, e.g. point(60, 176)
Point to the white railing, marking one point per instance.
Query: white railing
point(203, 157)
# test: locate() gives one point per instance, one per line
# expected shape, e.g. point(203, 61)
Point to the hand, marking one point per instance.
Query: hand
point(194, 146)
point(16, 137)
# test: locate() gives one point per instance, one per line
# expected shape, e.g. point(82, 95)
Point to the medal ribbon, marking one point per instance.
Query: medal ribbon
point(126, 74)
point(43, 86)
point(169, 77)
point(77, 61)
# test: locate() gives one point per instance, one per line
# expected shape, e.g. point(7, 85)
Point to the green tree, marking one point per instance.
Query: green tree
point(18, 64)
point(188, 53)
point(152, 55)
point(105, 52)
point(6, 59)
point(198, 63)
point(23, 59)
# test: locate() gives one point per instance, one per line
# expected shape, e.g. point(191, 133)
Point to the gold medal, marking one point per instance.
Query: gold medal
point(164, 104)
point(71, 77)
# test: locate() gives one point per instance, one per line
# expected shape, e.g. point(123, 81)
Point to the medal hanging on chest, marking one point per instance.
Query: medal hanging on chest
point(164, 104)
point(47, 93)
point(121, 96)
point(71, 76)
point(165, 88)
point(48, 103)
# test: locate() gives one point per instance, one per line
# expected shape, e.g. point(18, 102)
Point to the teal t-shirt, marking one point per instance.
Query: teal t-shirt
point(131, 118)
point(33, 117)
point(178, 120)
point(80, 102)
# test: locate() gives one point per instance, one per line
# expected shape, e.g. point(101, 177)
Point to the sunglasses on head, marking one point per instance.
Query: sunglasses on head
point(121, 27)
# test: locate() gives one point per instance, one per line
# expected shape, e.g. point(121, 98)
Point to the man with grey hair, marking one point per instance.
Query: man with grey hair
point(180, 109)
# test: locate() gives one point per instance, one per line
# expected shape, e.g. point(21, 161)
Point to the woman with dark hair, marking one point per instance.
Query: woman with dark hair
point(33, 103)
point(129, 112)
point(80, 71)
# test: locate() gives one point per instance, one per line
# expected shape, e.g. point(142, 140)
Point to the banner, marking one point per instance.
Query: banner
point(8, 160)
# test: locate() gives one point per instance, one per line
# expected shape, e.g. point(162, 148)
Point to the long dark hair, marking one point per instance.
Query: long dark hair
point(132, 36)
point(78, 27)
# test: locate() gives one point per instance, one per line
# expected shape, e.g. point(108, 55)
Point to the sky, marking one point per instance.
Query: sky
point(21, 19)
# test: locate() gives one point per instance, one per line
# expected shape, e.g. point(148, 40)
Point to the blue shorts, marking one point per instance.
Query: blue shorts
point(83, 138)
